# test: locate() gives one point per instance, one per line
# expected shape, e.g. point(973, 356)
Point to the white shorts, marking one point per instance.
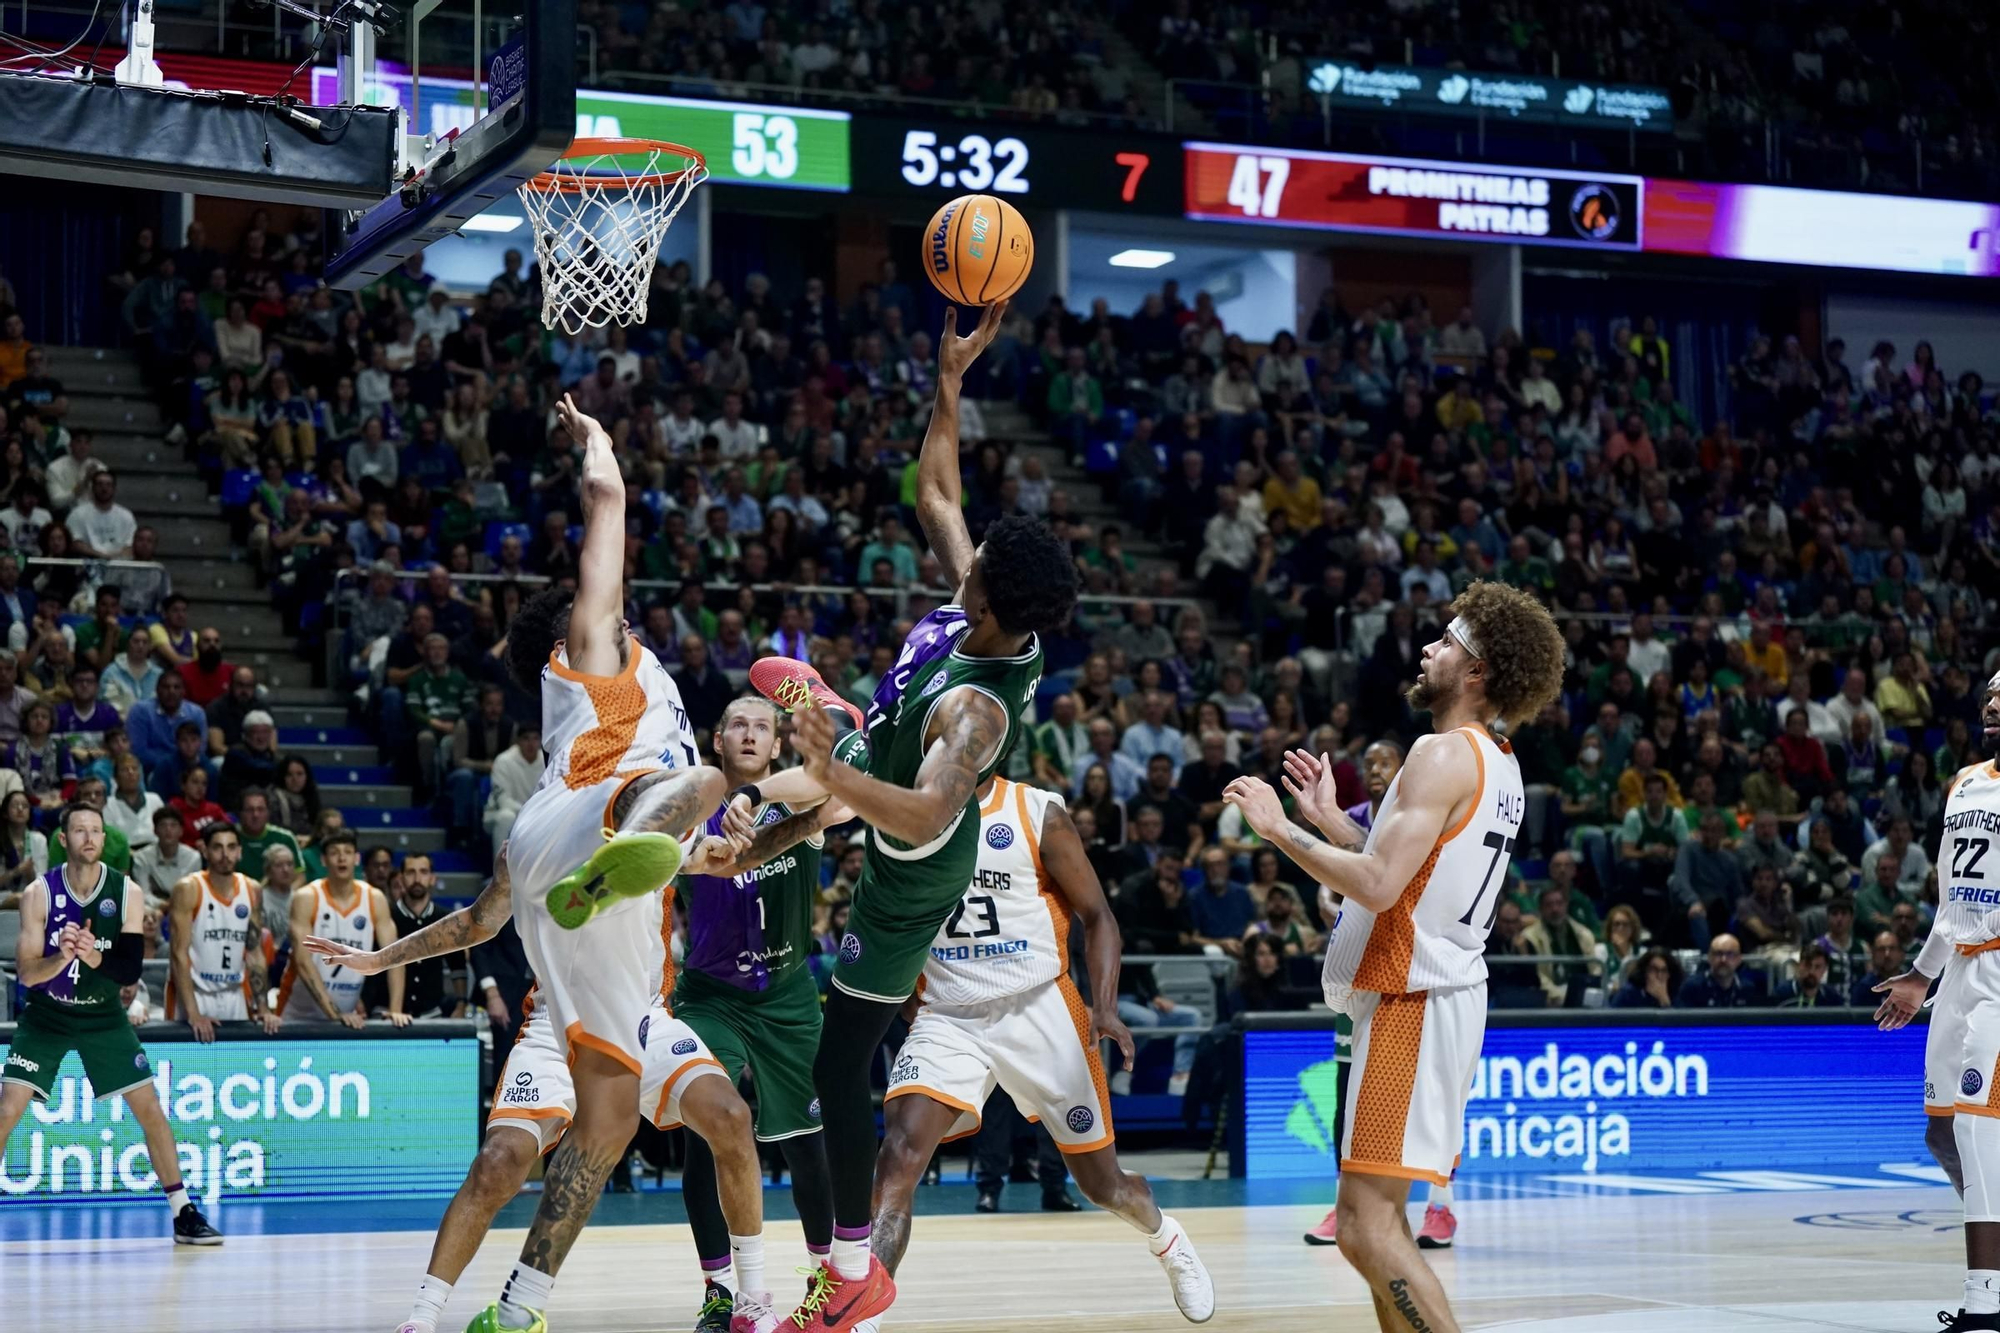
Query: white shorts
point(1036, 1045)
point(1945, 1043)
point(597, 982)
point(224, 1006)
point(1414, 1058)
point(536, 1093)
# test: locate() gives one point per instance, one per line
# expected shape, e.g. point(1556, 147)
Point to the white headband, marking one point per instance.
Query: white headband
point(1461, 631)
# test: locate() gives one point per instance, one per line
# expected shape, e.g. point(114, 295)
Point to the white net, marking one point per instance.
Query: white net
point(598, 219)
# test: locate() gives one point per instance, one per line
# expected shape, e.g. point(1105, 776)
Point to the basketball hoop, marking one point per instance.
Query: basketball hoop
point(598, 213)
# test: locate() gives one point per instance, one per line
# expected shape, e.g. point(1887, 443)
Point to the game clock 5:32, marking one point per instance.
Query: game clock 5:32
point(1027, 165)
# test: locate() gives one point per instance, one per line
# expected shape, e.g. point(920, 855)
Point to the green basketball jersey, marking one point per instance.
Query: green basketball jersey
point(916, 882)
point(80, 988)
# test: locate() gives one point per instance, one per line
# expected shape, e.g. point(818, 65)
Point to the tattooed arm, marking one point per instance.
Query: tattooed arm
point(1437, 790)
point(448, 934)
point(965, 733)
point(774, 839)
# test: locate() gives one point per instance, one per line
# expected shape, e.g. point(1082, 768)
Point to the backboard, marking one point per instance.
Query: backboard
point(489, 100)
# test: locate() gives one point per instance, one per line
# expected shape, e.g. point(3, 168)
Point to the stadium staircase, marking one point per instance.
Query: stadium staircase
point(161, 489)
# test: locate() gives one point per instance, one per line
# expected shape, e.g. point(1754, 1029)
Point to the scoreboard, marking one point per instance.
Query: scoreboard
point(1410, 197)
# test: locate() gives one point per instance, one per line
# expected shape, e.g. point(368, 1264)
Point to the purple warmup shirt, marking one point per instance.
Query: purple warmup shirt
point(724, 925)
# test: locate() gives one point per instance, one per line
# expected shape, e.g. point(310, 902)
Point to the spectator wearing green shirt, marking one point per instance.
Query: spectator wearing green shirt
point(1523, 569)
point(1057, 744)
point(1649, 840)
point(436, 697)
point(1076, 402)
point(100, 639)
point(1587, 788)
point(892, 545)
point(258, 835)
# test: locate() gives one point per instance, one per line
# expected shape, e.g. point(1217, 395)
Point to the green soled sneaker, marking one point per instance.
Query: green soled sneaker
point(628, 865)
point(717, 1307)
point(488, 1321)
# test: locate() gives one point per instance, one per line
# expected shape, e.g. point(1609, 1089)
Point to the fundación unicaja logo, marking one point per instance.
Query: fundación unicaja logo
point(1578, 99)
point(1453, 90)
point(1325, 78)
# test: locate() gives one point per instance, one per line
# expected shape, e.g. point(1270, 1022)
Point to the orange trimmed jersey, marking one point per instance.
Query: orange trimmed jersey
point(217, 941)
point(1434, 934)
point(1010, 931)
point(598, 727)
point(1969, 856)
point(352, 925)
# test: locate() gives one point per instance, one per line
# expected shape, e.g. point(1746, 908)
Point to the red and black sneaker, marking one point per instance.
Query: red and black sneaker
point(792, 684)
point(835, 1304)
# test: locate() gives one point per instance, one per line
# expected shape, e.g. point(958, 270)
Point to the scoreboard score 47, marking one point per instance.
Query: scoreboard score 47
point(1401, 196)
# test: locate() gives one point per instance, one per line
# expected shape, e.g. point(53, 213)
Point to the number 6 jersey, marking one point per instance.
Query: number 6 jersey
point(1434, 934)
point(1010, 932)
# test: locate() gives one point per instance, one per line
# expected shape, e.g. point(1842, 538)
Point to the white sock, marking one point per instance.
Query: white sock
point(1982, 1291)
point(526, 1295)
point(432, 1293)
point(177, 1199)
point(850, 1257)
point(1440, 1196)
point(748, 1252)
point(1160, 1241)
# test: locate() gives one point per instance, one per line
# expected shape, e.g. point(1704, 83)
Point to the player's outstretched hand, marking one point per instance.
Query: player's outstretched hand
point(1905, 993)
point(1309, 778)
point(812, 737)
point(1106, 1025)
point(365, 961)
point(580, 425)
point(954, 353)
point(1259, 803)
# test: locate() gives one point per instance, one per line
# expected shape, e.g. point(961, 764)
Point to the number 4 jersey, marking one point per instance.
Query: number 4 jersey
point(1434, 934)
point(1010, 932)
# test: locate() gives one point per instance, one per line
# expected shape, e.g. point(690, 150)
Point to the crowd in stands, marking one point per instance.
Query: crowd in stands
point(1045, 63)
point(1779, 622)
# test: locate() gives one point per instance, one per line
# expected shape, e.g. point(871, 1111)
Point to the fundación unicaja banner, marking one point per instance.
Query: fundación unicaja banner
point(1468, 94)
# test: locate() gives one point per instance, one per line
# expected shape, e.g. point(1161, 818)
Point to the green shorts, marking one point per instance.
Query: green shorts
point(774, 1032)
point(113, 1059)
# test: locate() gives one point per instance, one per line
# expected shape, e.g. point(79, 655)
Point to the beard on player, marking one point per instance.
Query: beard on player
point(1430, 692)
point(1989, 716)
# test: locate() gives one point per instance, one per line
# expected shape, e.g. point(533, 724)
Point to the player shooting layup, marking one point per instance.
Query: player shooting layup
point(1406, 955)
point(939, 725)
point(998, 1006)
point(589, 856)
point(1962, 1050)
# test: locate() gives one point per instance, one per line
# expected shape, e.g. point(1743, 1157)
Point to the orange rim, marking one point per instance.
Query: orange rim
point(550, 181)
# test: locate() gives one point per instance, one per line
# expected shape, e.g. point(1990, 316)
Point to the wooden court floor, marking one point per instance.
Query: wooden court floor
point(1830, 1261)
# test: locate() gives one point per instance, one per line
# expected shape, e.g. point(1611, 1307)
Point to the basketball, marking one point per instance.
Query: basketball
point(978, 250)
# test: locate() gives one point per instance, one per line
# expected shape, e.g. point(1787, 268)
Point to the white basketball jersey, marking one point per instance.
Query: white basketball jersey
point(1010, 932)
point(217, 939)
point(1434, 935)
point(352, 925)
point(596, 727)
point(1969, 857)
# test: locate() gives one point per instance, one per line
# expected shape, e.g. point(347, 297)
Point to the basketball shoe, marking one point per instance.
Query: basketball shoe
point(1194, 1291)
point(835, 1304)
point(628, 865)
point(1327, 1232)
point(792, 684)
point(488, 1321)
point(1967, 1323)
point(752, 1315)
point(717, 1305)
point(1438, 1229)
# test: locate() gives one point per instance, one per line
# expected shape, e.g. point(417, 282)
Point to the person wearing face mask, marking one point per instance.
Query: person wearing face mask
point(1587, 789)
point(207, 676)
